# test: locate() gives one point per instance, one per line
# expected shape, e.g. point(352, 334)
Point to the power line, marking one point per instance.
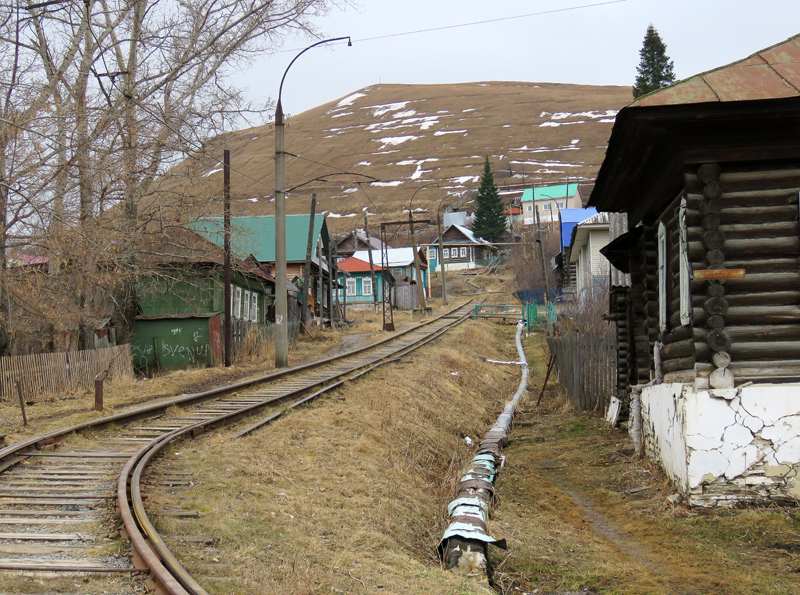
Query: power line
point(476, 23)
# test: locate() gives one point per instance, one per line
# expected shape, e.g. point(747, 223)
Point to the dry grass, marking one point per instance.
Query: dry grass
point(348, 495)
point(573, 524)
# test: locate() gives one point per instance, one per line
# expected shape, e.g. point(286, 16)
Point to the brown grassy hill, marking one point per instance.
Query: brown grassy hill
point(406, 136)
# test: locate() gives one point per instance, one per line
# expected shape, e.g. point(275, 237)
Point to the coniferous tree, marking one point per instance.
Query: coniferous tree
point(655, 67)
point(489, 222)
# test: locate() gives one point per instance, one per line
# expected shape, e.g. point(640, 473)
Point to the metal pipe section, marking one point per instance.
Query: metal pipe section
point(463, 547)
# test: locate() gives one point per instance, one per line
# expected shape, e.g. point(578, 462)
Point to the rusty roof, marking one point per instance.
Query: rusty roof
point(772, 73)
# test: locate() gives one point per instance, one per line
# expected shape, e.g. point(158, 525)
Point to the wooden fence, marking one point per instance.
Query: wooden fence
point(587, 368)
point(45, 374)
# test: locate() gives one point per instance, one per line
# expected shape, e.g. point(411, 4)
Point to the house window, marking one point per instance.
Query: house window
point(431, 253)
point(237, 303)
point(254, 307)
point(529, 208)
point(246, 306)
point(397, 272)
point(366, 287)
point(351, 287)
point(561, 205)
point(463, 252)
point(446, 253)
point(546, 207)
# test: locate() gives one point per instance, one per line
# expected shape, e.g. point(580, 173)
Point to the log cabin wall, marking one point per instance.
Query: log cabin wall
point(745, 217)
point(644, 302)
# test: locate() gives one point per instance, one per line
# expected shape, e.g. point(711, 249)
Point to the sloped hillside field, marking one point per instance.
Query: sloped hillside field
point(375, 147)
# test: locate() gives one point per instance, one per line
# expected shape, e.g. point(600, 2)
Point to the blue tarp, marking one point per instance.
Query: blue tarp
point(569, 219)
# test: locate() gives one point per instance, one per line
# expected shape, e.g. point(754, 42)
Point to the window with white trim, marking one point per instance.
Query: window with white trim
point(254, 307)
point(366, 287)
point(351, 287)
point(237, 303)
point(431, 253)
point(463, 252)
point(529, 208)
point(662, 277)
point(446, 253)
point(246, 306)
point(546, 207)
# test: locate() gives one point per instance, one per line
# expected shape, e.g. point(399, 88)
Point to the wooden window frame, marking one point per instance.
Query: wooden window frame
point(366, 286)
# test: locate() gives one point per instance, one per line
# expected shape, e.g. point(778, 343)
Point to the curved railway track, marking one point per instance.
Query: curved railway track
point(65, 495)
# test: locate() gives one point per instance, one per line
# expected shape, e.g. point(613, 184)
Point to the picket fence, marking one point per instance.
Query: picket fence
point(45, 374)
point(587, 368)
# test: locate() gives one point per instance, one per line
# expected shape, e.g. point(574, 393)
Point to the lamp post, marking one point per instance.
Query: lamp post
point(420, 288)
point(281, 301)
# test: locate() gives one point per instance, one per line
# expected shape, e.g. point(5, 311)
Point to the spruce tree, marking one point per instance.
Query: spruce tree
point(489, 222)
point(655, 67)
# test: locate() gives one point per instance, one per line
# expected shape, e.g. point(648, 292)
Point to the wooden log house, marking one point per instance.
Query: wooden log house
point(708, 173)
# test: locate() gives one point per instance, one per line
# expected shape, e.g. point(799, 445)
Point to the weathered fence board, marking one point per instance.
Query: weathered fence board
point(586, 367)
point(44, 374)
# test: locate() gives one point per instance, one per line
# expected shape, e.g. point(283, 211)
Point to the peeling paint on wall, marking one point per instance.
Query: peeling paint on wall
point(722, 447)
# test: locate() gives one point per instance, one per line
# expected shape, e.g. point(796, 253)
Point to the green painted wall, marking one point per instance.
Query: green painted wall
point(171, 344)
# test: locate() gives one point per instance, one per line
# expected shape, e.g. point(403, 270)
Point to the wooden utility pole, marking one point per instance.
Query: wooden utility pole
point(420, 288)
point(371, 265)
point(441, 260)
point(226, 267)
point(541, 257)
point(309, 252)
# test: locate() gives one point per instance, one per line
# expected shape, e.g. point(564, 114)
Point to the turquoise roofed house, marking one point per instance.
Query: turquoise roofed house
point(255, 236)
point(548, 201)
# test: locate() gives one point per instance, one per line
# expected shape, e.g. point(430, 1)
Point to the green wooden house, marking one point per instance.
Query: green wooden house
point(181, 302)
point(256, 236)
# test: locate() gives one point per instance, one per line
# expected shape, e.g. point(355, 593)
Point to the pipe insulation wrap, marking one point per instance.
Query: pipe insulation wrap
point(466, 536)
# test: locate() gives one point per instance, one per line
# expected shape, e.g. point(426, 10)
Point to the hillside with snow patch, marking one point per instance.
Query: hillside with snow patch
point(374, 148)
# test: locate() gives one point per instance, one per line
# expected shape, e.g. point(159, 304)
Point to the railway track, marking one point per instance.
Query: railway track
point(66, 496)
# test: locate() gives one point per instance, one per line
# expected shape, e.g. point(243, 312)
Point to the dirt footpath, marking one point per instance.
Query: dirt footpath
point(582, 515)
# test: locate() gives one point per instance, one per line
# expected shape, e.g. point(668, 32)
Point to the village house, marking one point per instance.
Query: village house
point(359, 288)
point(460, 249)
point(707, 172)
point(354, 241)
point(181, 302)
point(256, 236)
point(547, 201)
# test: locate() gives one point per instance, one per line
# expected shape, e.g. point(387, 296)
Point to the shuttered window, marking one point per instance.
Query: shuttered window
point(662, 277)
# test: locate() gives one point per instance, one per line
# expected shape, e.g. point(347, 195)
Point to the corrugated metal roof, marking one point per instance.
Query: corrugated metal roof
point(256, 235)
point(772, 73)
point(356, 265)
point(398, 257)
point(549, 192)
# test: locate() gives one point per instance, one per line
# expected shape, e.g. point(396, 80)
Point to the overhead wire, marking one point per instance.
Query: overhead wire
point(476, 23)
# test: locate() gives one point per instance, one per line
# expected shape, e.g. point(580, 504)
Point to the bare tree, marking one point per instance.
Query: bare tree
point(99, 99)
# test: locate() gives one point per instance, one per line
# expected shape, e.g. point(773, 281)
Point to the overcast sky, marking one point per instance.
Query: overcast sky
point(597, 44)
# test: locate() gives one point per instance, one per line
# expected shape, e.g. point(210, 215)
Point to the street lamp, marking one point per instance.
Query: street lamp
point(281, 301)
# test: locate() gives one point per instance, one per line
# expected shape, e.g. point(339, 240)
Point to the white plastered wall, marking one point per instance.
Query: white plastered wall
point(721, 447)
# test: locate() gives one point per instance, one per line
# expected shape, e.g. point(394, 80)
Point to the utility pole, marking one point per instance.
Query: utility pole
point(226, 242)
point(541, 257)
point(441, 260)
point(371, 265)
point(309, 252)
point(420, 288)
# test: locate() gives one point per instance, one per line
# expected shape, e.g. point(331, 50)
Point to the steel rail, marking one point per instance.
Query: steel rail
point(166, 570)
point(12, 454)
